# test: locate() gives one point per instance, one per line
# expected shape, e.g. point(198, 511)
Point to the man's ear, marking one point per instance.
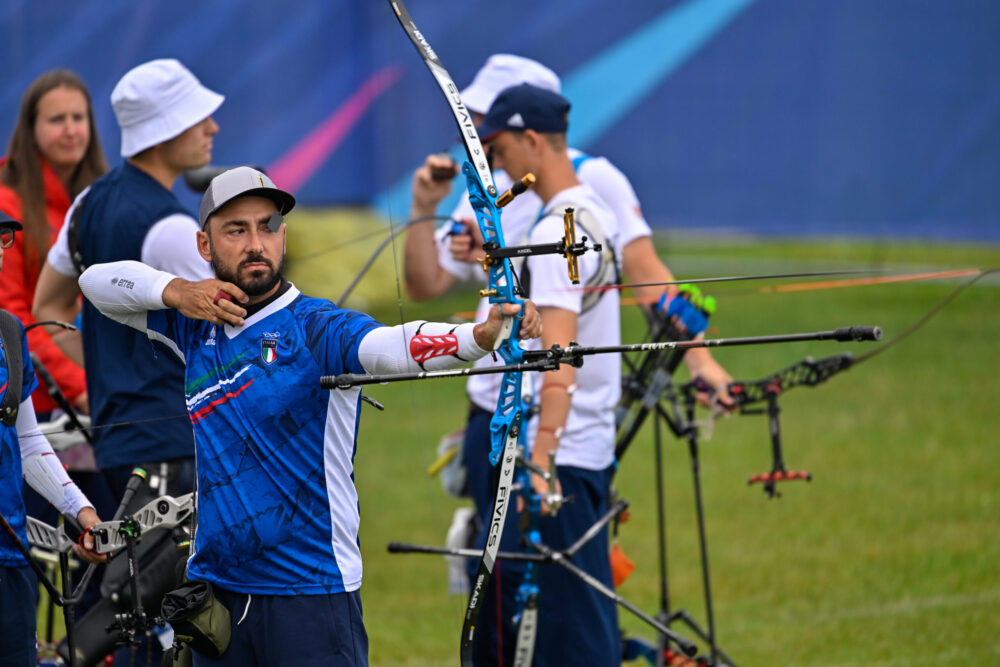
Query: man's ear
point(532, 138)
point(205, 245)
point(537, 143)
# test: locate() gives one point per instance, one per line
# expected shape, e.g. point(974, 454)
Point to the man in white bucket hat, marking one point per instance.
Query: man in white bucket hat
point(130, 213)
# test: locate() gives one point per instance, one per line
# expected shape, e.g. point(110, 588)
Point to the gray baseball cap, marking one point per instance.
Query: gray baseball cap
point(241, 182)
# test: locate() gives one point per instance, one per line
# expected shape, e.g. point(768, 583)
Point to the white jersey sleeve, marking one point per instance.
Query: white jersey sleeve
point(125, 291)
point(418, 346)
point(614, 188)
point(171, 244)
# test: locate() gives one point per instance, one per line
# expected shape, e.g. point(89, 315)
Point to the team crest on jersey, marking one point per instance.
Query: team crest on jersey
point(268, 350)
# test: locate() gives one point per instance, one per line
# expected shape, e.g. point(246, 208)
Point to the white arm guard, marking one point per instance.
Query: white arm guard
point(418, 346)
point(43, 470)
point(125, 290)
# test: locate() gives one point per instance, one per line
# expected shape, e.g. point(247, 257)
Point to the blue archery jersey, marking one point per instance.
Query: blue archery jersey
point(277, 509)
point(131, 381)
point(11, 477)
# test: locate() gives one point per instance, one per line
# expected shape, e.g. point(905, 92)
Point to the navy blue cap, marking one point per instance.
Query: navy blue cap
point(7, 221)
point(525, 107)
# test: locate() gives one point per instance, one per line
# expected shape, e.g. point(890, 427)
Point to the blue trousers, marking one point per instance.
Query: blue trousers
point(17, 616)
point(576, 624)
point(292, 631)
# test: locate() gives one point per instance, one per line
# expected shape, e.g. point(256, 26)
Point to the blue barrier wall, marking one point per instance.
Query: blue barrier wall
point(871, 117)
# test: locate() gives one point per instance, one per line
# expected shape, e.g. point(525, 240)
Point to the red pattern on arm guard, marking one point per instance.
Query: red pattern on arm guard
point(424, 347)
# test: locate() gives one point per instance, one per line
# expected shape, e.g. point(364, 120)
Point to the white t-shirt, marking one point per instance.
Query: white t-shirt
point(610, 184)
point(171, 245)
point(589, 438)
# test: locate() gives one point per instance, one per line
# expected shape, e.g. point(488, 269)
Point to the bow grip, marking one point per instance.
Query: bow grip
point(506, 329)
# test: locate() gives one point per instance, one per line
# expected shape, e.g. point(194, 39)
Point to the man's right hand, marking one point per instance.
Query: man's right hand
point(207, 300)
point(467, 246)
point(428, 186)
point(425, 277)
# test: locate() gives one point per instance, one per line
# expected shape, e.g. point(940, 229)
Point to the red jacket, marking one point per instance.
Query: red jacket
point(17, 290)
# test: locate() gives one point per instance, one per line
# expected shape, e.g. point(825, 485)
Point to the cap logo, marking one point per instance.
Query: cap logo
point(261, 181)
point(515, 121)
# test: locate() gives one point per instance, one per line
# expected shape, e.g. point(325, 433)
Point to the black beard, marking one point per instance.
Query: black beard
point(259, 282)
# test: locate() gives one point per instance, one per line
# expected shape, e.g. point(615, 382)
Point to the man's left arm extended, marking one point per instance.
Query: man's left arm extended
point(429, 346)
point(125, 291)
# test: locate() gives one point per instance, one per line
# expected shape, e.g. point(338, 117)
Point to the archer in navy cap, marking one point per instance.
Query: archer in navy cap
point(526, 107)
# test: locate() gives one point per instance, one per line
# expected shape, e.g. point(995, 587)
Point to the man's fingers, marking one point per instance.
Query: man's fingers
point(474, 231)
point(87, 552)
point(460, 245)
point(508, 309)
point(239, 296)
point(225, 308)
point(531, 321)
point(220, 295)
point(229, 313)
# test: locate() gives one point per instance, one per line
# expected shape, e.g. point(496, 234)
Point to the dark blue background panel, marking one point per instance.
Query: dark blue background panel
point(872, 117)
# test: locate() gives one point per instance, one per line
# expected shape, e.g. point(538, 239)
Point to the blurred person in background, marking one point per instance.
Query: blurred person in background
point(25, 454)
point(53, 154)
point(436, 262)
point(165, 116)
point(135, 385)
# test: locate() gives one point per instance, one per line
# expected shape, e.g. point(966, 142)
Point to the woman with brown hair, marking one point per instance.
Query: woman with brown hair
point(54, 154)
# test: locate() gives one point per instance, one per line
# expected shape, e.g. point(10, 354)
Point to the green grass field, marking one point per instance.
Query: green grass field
point(888, 557)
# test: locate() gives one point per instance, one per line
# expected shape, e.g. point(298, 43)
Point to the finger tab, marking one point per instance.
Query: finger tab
point(221, 294)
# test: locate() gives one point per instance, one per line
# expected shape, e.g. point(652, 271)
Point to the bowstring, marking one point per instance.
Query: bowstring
point(864, 357)
point(366, 237)
point(940, 305)
point(417, 421)
point(92, 428)
point(923, 320)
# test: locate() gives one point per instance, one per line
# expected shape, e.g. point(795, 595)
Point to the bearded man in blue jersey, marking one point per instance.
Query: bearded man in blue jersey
point(277, 508)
